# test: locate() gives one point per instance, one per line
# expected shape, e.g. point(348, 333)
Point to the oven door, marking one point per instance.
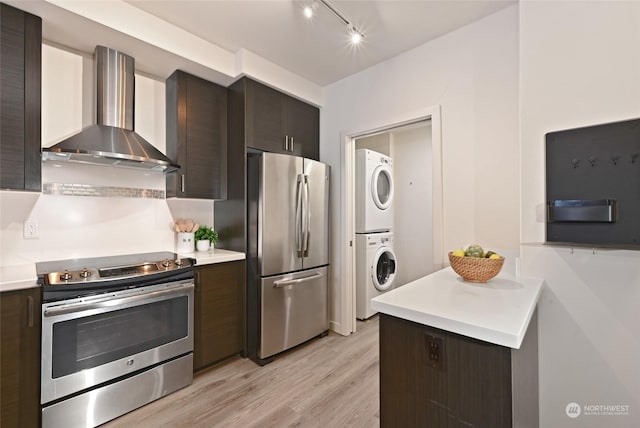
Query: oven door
point(91, 340)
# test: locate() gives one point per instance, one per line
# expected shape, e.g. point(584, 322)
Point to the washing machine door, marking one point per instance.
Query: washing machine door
point(382, 187)
point(383, 269)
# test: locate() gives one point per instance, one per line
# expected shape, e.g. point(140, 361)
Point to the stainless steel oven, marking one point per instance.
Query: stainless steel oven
point(115, 342)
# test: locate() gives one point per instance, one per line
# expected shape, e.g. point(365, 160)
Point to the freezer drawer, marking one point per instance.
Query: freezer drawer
point(293, 310)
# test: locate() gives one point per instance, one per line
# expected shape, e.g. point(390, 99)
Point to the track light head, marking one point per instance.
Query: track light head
point(354, 35)
point(309, 10)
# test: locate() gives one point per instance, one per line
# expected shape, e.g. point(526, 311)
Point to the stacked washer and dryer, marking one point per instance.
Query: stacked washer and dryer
point(375, 259)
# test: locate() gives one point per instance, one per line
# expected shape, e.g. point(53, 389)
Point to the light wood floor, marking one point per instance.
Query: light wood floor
point(330, 382)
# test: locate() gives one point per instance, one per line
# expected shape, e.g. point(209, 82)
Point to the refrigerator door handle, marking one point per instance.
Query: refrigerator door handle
point(299, 212)
point(285, 282)
point(307, 214)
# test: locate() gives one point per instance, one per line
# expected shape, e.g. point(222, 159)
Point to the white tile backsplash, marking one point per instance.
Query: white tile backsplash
point(99, 175)
point(74, 227)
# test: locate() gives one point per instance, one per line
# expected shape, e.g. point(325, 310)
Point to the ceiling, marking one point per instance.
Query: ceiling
point(318, 49)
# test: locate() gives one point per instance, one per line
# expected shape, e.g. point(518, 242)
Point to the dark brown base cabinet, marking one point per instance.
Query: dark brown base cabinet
point(20, 328)
point(466, 383)
point(218, 313)
point(20, 86)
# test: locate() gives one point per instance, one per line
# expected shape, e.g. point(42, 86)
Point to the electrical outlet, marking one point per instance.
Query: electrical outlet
point(435, 351)
point(31, 230)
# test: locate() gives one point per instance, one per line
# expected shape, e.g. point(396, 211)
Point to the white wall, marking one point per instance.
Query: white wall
point(75, 226)
point(380, 143)
point(62, 94)
point(150, 111)
point(580, 65)
point(412, 202)
point(472, 73)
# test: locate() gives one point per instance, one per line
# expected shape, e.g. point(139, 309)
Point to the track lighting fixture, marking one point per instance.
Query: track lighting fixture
point(310, 9)
point(355, 35)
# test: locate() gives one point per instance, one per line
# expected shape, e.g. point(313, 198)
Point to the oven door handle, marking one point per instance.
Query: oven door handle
point(110, 301)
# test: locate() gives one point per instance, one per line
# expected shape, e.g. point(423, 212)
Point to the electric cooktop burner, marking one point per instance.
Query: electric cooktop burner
point(87, 276)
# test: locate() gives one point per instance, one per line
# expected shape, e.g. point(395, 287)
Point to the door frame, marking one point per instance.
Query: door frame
point(348, 308)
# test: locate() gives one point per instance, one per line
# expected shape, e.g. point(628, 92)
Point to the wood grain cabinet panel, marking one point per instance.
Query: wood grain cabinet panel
point(196, 137)
point(472, 383)
point(303, 128)
point(218, 312)
point(20, 329)
point(20, 85)
point(276, 122)
point(265, 117)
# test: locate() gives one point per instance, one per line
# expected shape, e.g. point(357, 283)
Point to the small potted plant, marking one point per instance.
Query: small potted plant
point(205, 237)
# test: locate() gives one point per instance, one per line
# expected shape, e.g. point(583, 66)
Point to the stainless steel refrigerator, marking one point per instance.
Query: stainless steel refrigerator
point(288, 252)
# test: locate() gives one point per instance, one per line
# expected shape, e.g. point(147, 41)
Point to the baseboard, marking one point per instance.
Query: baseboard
point(337, 327)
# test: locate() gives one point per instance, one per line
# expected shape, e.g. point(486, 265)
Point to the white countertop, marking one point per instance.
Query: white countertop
point(498, 311)
point(18, 277)
point(215, 255)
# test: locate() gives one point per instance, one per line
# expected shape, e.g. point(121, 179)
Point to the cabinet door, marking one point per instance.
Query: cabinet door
point(196, 137)
point(206, 117)
point(303, 128)
point(20, 85)
point(265, 118)
point(218, 317)
point(469, 386)
point(20, 360)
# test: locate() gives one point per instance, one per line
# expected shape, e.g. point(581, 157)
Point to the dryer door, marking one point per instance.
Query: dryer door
point(382, 187)
point(383, 269)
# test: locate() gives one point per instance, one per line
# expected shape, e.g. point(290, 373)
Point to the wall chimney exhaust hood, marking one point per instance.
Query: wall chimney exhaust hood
point(112, 141)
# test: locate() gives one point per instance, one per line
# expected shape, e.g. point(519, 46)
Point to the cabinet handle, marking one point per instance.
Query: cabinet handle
point(291, 144)
point(182, 182)
point(286, 143)
point(29, 311)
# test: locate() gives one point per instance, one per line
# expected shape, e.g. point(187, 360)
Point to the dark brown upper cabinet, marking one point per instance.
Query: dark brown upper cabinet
point(21, 86)
point(278, 123)
point(196, 137)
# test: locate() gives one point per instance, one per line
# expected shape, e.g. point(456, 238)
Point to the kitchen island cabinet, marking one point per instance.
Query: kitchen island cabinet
point(196, 137)
point(20, 85)
point(20, 328)
point(456, 354)
point(218, 312)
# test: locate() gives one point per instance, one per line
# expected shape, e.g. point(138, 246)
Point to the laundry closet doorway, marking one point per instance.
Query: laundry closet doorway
point(414, 147)
point(410, 148)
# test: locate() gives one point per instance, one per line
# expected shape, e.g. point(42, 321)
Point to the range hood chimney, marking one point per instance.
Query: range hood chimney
point(112, 141)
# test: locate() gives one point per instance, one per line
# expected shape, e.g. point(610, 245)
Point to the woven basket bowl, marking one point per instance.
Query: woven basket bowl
point(474, 269)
